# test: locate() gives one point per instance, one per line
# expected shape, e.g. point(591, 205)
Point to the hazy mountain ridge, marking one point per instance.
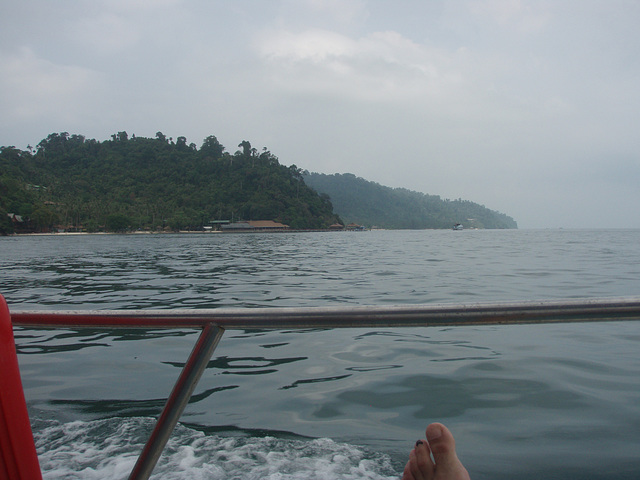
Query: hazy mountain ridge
point(368, 203)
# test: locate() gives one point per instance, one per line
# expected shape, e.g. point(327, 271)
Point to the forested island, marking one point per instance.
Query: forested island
point(127, 183)
point(368, 203)
point(74, 184)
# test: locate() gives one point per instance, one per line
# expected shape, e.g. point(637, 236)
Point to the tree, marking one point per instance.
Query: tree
point(246, 148)
point(211, 147)
point(6, 227)
point(178, 222)
point(118, 222)
point(181, 143)
point(44, 218)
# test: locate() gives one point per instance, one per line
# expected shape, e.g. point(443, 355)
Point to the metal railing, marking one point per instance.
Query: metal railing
point(214, 322)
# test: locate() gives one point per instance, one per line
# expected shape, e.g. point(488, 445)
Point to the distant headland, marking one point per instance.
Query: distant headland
point(69, 183)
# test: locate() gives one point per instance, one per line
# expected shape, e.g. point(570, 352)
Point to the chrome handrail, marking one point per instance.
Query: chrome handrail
point(427, 315)
point(213, 322)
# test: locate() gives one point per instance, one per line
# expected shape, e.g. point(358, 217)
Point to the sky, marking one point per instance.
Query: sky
point(531, 108)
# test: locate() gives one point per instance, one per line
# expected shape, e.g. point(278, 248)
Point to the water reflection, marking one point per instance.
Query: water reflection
point(314, 380)
point(43, 341)
point(244, 365)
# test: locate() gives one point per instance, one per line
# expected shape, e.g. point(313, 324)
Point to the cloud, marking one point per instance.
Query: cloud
point(106, 33)
point(32, 88)
point(310, 12)
point(381, 66)
point(518, 15)
point(139, 5)
point(312, 45)
point(341, 10)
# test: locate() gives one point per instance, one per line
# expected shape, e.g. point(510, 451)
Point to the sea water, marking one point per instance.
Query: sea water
point(527, 401)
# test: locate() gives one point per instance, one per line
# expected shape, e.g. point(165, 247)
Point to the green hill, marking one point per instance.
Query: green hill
point(367, 203)
point(134, 183)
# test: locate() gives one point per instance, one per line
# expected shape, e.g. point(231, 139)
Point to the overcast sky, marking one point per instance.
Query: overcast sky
point(531, 108)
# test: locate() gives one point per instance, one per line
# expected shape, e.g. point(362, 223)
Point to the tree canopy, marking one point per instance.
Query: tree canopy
point(131, 182)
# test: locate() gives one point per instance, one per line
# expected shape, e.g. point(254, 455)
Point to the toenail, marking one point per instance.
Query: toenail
point(433, 433)
point(419, 442)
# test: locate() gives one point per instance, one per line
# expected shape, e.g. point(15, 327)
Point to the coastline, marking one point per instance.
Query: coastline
point(181, 232)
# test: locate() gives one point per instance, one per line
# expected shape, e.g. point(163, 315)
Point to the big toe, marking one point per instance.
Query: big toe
point(443, 447)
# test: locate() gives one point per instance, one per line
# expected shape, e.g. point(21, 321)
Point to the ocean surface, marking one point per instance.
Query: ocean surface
point(528, 402)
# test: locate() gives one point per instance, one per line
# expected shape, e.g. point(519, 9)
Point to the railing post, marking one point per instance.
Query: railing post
point(177, 401)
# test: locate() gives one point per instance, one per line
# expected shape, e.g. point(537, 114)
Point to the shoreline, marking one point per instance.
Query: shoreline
point(181, 232)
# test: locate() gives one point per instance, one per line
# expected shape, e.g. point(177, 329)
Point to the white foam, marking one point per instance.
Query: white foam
point(108, 449)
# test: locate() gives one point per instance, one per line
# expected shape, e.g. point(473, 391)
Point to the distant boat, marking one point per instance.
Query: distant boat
point(458, 226)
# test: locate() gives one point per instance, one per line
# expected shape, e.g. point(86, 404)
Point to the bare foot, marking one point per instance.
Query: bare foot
point(446, 466)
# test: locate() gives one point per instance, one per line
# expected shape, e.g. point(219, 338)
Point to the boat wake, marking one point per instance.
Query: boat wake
point(108, 449)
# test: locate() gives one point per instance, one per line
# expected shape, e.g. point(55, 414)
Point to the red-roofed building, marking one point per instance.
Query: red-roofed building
point(255, 226)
